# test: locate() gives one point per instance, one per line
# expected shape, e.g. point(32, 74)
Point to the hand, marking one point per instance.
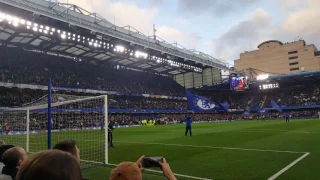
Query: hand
point(139, 163)
point(167, 170)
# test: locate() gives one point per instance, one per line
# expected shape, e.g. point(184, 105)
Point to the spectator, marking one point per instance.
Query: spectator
point(3, 149)
point(50, 164)
point(133, 170)
point(12, 159)
point(70, 147)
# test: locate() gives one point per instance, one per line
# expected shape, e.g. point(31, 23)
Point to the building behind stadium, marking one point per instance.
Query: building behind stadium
point(275, 57)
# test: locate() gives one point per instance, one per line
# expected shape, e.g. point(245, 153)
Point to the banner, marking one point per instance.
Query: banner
point(203, 104)
point(275, 106)
point(263, 111)
point(225, 106)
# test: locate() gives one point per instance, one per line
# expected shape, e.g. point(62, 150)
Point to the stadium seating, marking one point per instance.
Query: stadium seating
point(28, 67)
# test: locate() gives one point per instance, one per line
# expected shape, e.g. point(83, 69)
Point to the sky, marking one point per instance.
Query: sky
point(220, 28)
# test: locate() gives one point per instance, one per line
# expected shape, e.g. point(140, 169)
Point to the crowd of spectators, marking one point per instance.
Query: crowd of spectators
point(28, 67)
point(62, 162)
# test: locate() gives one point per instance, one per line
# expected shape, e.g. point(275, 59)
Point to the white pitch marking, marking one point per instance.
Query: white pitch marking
point(178, 175)
point(214, 147)
point(288, 167)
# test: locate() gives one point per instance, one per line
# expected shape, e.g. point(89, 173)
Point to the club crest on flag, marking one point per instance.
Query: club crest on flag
point(203, 104)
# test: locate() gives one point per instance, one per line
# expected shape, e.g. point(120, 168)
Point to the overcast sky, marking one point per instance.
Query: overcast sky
point(221, 28)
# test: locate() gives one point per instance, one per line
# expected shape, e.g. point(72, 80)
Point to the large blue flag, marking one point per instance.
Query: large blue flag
point(276, 106)
point(203, 104)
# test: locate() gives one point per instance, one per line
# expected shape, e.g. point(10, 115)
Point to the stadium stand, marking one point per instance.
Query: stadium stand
point(27, 67)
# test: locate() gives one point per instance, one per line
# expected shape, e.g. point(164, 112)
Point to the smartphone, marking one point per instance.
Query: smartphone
point(149, 162)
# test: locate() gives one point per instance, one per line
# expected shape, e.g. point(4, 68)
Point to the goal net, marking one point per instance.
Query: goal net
point(36, 127)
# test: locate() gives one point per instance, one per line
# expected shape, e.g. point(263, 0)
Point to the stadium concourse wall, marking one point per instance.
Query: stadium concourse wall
point(45, 88)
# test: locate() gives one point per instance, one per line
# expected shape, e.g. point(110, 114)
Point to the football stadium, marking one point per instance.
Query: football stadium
point(68, 74)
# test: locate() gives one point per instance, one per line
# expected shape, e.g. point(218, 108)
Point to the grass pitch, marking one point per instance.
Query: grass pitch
point(237, 150)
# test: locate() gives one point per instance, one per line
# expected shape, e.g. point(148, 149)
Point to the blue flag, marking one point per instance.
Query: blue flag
point(203, 104)
point(275, 106)
point(263, 111)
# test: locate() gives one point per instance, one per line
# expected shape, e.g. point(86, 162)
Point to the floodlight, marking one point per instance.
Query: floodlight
point(45, 31)
point(95, 44)
point(29, 23)
point(47, 28)
point(74, 35)
point(90, 43)
point(35, 25)
point(63, 36)
point(41, 26)
point(22, 21)
point(119, 48)
point(262, 76)
point(2, 16)
point(53, 29)
point(35, 29)
point(16, 20)
point(28, 27)
point(69, 33)
point(40, 30)
point(51, 33)
point(8, 17)
point(15, 24)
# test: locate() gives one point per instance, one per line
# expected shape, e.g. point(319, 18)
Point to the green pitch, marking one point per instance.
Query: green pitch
point(236, 150)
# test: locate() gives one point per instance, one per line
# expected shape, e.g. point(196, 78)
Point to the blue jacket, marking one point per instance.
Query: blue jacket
point(187, 121)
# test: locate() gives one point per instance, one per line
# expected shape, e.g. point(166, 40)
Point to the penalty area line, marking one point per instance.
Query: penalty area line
point(288, 167)
point(177, 175)
point(214, 147)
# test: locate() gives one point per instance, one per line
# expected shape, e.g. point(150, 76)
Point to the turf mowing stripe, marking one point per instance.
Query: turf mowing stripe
point(288, 167)
point(213, 147)
point(178, 175)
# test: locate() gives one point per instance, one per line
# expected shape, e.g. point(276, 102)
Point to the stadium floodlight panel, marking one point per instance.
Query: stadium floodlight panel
point(35, 29)
point(22, 21)
point(8, 18)
point(63, 36)
point(45, 31)
point(41, 26)
point(262, 76)
point(35, 25)
point(95, 44)
point(2, 16)
point(119, 48)
point(53, 29)
point(47, 28)
point(40, 30)
point(29, 23)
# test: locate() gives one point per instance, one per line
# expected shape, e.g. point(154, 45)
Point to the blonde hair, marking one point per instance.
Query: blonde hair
point(126, 171)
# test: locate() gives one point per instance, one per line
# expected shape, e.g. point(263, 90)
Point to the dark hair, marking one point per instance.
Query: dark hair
point(11, 157)
point(4, 148)
point(50, 164)
point(67, 146)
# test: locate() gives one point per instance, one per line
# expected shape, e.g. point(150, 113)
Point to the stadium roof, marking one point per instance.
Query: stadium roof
point(69, 30)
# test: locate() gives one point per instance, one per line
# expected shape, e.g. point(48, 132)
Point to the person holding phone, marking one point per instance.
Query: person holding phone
point(133, 170)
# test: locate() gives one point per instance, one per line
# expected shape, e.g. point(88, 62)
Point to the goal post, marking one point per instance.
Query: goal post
point(58, 117)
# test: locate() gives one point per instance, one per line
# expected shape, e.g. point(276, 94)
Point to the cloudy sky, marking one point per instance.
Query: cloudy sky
point(221, 28)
